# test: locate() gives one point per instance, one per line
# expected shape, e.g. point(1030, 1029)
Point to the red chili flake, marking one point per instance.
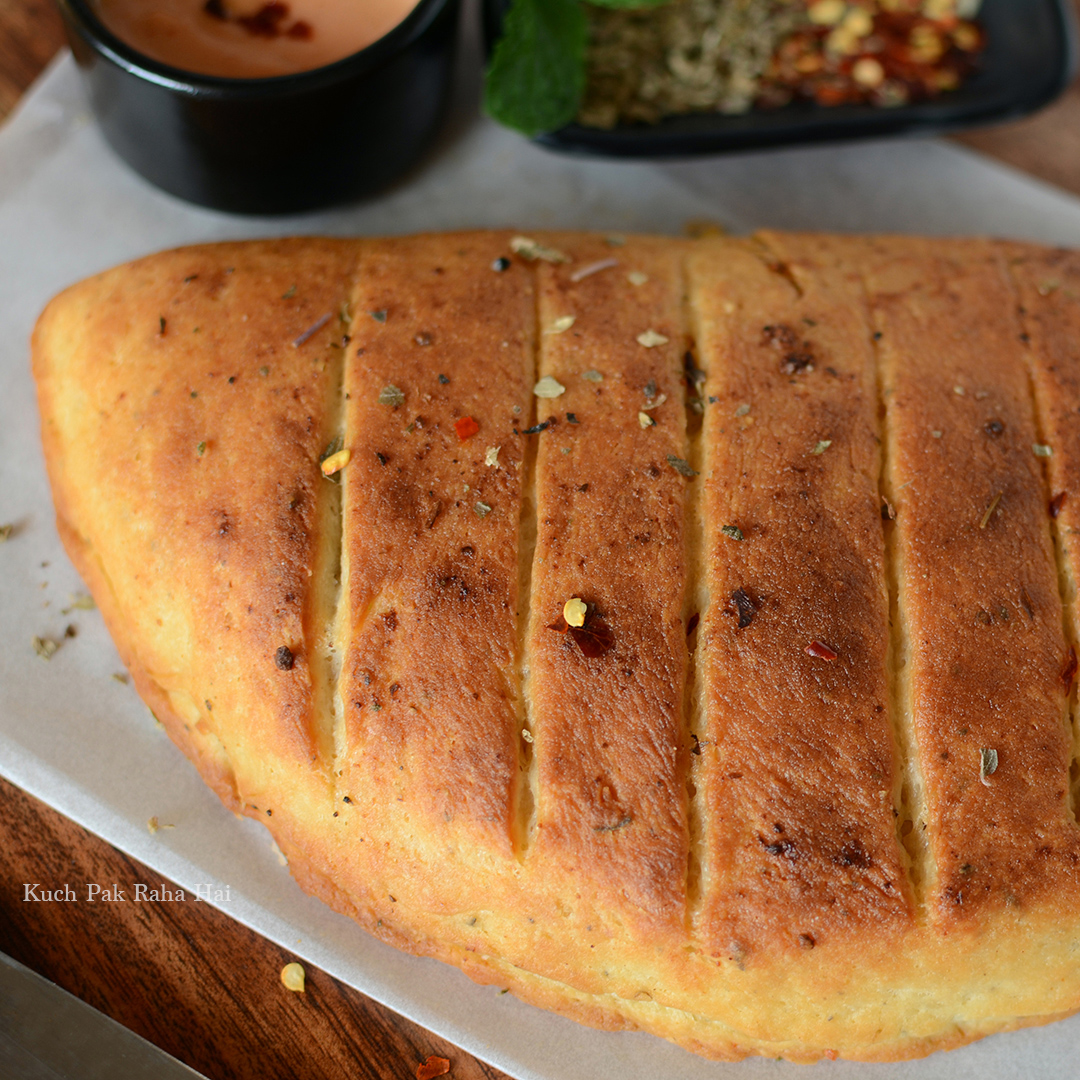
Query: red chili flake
point(466, 427)
point(434, 1066)
point(594, 638)
point(1057, 502)
point(1068, 676)
point(820, 650)
point(266, 22)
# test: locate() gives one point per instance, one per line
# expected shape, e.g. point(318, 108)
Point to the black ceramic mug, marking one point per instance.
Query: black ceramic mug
point(272, 145)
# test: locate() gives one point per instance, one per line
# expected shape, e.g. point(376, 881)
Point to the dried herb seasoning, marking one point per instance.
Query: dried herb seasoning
point(650, 339)
point(45, 647)
point(594, 637)
point(6, 532)
point(988, 763)
point(284, 661)
point(561, 325)
point(592, 375)
point(533, 251)
point(574, 611)
point(549, 387)
point(391, 395)
point(821, 446)
point(1041, 450)
point(501, 264)
point(465, 427)
point(732, 532)
point(593, 268)
point(745, 607)
point(312, 330)
point(821, 650)
point(682, 466)
point(990, 510)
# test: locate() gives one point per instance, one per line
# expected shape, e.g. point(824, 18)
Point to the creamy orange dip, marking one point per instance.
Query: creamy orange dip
point(247, 39)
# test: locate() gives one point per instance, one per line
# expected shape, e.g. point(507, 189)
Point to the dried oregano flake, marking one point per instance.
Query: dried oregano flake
point(988, 763)
point(391, 395)
point(681, 466)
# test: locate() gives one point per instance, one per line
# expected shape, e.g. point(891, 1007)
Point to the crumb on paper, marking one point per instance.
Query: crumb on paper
point(292, 977)
point(152, 825)
point(282, 858)
point(79, 602)
point(121, 677)
point(45, 647)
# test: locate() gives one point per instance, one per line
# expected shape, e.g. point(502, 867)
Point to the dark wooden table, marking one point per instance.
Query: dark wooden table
point(182, 974)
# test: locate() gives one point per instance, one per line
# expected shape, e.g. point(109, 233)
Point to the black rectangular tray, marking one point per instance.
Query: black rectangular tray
point(1029, 60)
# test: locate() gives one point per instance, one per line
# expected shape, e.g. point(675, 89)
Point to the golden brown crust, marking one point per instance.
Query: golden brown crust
point(800, 847)
point(606, 699)
point(979, 591)
point(195, 509)
point(432, 695)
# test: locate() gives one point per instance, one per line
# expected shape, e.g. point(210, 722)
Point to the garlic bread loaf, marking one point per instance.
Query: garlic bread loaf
point(680, 633)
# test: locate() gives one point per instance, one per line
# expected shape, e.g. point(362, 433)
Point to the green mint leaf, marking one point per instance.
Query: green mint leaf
point(536, 76)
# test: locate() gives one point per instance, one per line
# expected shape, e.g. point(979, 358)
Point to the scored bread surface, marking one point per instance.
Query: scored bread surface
point(804, 782)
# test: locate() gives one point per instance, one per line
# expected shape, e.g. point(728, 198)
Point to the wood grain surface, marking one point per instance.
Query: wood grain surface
point(185, 976)
point(182, 974)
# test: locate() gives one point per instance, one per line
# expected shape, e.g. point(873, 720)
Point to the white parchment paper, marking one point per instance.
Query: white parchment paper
point(83, 742)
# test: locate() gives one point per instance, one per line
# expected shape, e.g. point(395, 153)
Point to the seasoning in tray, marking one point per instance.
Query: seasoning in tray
point(733, 55)
point(250, 38)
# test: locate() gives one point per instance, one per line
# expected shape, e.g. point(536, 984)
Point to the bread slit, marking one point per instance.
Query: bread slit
point(327, 565)
point(799, 812)
point(1048, 294)
point(696, 604)
point(909, 797)
point(978, 584)
point(525, 808)
point(608, 672)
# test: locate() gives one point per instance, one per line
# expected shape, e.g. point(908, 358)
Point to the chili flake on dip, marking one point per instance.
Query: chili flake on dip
point(250, 39)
